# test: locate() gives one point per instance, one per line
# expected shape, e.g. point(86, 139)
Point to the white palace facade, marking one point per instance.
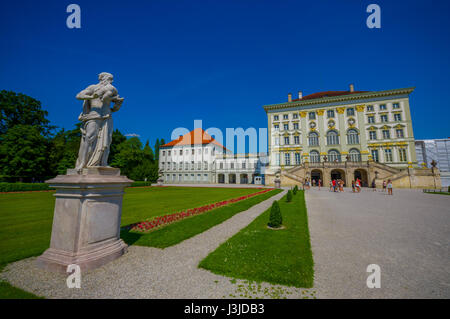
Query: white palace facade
point(197, 158)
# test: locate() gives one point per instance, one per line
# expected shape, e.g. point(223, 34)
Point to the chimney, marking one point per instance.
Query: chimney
point(352, 88)
point(290, 97)
point(300, 94)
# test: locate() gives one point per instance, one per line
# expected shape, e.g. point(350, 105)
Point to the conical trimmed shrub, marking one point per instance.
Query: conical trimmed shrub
point(295, 190)
point(275, 219)
point(289, 196)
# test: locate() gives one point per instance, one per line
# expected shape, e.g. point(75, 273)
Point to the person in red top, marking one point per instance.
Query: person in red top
point(334, 185)
point(319, 183)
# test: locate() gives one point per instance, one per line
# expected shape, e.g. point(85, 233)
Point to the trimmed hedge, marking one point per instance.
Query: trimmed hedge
point(25, 187)
point(275, 218)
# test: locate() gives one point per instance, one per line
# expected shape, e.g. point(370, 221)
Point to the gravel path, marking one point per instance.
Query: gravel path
point(407, 235)
point(146, 272)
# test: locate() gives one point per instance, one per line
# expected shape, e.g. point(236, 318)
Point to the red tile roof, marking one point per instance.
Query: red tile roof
point(195, 137)
point(327, 94)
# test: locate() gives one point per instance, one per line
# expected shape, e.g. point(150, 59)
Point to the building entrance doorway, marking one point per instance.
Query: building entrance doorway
point(362, 175)
point(338, 174)
point(315, 176)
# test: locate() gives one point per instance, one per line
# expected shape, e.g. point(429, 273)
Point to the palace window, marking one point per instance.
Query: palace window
point(296, 139)
point(355, 155)
point(220, 165)
point(332, 138)
point(395, 105)
point(352, 136)
point(369, 108)
point(276, 127)
point(371, 119)
point(295, 116)
point(334, 156)
point(386, 134)
point(402, 155)
point(164, 153)
point(181, 152)
point(387, 155)
point(193, 152)
point(295, 126)
point(312, 115)
point(232, 165)
point(382, 107)
point(277, 159)
point(285, 116)
point(286, 127)
point(372, 135)
point(275, 117)
point(186, 165)
point(350, 111)
point(397, 117)
point(192, 165)
point(297, 158)
point(313, 139)
point(330, 113)
point(375, 156)
point(168, 153)
point(314, 157)
point(399, 133)
point(205, 165)
point(286, 140)
point(384, 118)
point(287, 158)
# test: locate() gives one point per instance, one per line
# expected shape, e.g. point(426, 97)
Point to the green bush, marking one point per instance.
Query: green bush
point(23, 187)
point(295, 190)
point(275, 219)
point(448, 190)
point(289, 196)
point(141, 183)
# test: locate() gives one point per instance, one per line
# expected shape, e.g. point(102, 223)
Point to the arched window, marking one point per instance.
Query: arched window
point(352, 136)
point(313, 139)
point(355, 155)
point(314, 157)
point(332, 138)
point(334, 156)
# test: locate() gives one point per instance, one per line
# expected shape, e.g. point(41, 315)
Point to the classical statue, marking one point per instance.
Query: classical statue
point(97, 122)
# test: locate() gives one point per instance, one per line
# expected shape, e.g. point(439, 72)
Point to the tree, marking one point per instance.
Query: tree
point(148, 153)
point(23, 152)
point(289, 196)
point(275, 219)
point(129, 156)
point(20, 109)
point(157, 144)
point(63, 150)
point(117, 139)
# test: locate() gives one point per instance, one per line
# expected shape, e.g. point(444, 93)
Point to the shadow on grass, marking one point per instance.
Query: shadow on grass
point(128, 237)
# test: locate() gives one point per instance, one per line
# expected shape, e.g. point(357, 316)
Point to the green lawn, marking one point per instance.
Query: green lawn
point(26, 218)
point(175, 233)
point(10, 292)
point(259, 254)
point(439, 193)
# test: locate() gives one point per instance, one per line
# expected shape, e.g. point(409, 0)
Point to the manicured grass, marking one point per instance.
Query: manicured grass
point(260, 254)
point(178, 231)
point(26, 218)
point(10, 292)
point(439, 193)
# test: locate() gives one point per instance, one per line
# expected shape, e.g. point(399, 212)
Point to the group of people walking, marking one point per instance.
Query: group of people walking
point(337, 185)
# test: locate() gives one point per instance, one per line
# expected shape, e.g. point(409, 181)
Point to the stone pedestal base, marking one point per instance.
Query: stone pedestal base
point(86, 221)
point(277, 183)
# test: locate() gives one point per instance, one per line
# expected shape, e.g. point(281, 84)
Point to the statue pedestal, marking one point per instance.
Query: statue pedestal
point(86, 221)
point(277, 183)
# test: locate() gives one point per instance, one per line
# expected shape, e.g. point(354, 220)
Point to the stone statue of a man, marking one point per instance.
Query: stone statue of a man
point(97, 123)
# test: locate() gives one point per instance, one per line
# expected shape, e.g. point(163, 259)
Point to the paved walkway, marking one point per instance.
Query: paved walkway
point(407, 235)
point(146, 272)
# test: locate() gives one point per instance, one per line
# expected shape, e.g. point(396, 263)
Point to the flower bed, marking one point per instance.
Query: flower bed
point(159, 221)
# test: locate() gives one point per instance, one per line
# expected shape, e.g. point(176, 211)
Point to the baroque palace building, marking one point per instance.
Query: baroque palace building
point(345, 135)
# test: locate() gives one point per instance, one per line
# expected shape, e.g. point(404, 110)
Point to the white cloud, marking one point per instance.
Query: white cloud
point(132, 135)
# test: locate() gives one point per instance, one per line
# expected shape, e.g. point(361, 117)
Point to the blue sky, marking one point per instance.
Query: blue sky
point(221, 60)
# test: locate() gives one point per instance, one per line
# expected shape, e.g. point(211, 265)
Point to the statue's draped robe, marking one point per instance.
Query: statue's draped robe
point(99, 145)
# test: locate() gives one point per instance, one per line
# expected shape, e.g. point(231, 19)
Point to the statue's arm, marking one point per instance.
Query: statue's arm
point(87, 94)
